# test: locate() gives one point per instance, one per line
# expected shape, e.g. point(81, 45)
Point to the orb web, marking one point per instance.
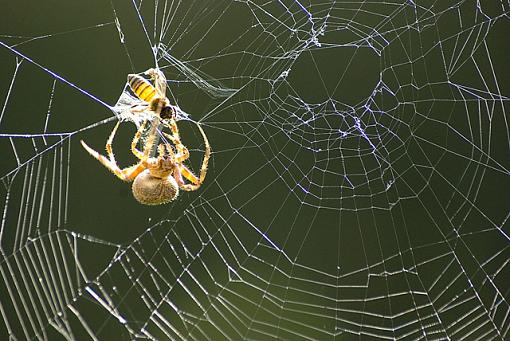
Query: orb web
point(357, 189)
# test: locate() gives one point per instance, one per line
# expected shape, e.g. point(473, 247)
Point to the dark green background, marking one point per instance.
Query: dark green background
point(416, 221)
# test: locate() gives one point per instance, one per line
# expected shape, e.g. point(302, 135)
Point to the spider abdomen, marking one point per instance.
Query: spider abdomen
point(150, 190)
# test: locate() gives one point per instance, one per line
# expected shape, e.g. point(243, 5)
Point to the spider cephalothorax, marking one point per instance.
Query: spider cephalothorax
point(156, 180)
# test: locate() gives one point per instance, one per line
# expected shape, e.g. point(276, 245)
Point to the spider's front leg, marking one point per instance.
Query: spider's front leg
point(182, 151)
point(151, 139)
point(183, 171)
point(126, 174)
point(134, 143)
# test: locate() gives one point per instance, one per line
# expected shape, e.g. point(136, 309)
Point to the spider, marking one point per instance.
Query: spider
point(156, 180)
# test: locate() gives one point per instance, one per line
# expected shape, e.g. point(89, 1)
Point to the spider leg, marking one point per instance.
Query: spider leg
point(136, 138)
point(126, 174)
point(184, 171)
point(161, 150)
point(151, 138)
point(109, 142)
point(182, 151)
point(139, 108)
point(207, 154)
point(170, 151)
point(172, 125)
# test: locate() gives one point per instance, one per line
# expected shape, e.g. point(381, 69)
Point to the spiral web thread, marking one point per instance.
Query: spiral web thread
point(358, 186)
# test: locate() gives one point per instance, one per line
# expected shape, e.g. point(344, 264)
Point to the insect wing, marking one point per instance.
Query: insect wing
point(131, 108)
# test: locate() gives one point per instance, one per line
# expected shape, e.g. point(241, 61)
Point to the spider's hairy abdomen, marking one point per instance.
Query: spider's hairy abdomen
point(150, 190)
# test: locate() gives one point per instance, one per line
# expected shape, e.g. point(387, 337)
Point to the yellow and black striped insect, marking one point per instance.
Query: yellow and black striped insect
point(156, 179)
point(154, 96)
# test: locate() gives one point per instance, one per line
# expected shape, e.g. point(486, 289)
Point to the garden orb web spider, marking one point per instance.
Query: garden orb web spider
point(156, 180)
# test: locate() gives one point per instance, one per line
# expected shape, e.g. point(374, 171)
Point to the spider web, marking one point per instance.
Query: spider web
point(357, 189)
